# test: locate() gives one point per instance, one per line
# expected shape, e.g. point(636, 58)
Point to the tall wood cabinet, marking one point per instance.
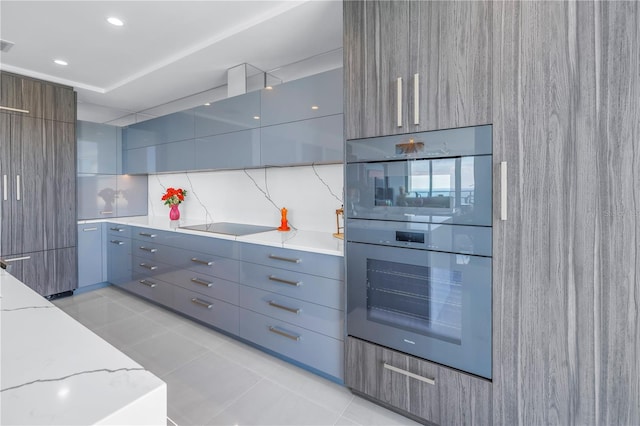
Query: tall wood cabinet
point(412, 66)
point(38, 200)
point(562, 93)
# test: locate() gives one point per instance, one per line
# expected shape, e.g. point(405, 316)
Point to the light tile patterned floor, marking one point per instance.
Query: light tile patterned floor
point(213, 379)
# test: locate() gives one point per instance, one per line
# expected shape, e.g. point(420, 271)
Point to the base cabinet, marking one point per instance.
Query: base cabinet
point(415, 387)
point(91, 261)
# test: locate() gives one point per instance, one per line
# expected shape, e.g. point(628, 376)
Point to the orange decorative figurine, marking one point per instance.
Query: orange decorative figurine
point(284, 226)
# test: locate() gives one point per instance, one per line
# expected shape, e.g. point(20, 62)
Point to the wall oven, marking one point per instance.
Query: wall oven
point(418, 250)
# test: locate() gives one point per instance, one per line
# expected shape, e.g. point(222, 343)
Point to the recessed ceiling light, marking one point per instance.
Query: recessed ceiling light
point(115, 21)
point(61, 62)
point(207, 104)
point(269, 88)
point(315, 107)
point(256, 117)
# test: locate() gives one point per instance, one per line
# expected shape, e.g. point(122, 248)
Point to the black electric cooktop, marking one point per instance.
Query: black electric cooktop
point(229, 228)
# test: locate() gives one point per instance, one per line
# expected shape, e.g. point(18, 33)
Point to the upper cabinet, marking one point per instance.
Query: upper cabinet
point(168, 128)
point(311, 97)
point(415, 66)
point(228, 115)
point(99, 148)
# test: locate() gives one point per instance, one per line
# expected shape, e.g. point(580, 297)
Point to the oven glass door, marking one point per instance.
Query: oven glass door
point(433, 305)
point(443, 190)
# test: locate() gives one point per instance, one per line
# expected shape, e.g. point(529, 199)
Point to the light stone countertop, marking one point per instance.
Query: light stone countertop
point(312, 241)
point(55, 371)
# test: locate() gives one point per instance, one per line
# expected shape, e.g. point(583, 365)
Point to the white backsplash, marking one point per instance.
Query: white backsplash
point(231, 196)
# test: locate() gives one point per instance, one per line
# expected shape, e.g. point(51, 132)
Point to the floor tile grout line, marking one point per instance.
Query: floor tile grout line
point(233, 401)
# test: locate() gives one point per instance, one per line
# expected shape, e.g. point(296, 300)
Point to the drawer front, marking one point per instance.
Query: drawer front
point(322, 265)
point(145, 268)
point(204, 284)
point(116, 230)
point(150, 288)
point(150, 235)
point(312, 288)
point(310, 348)
point(321, 319)
point(206, 309)
point(153, 251)
point(217, 246)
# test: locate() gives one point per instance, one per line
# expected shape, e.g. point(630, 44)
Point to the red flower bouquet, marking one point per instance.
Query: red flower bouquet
point(174, 196)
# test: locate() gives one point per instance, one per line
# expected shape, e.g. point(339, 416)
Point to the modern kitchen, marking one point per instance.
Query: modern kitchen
point(321, 212)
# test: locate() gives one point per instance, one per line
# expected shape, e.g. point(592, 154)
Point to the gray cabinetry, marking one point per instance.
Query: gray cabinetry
point(91, 260)
point(168, 157)
point(118, 246)
point(566, 90)
point(228, 115)
point(169, 128)
point(235, 150)
point(103, 191)
point(292, 303)
point(318, 140)
point(37, 175)
point(417, 387)
point(310, 97)
point(414, 66)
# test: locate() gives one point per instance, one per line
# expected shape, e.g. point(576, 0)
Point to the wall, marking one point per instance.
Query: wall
point(232, 196)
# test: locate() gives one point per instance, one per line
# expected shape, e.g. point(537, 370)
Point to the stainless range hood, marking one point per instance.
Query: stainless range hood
point(245, 78)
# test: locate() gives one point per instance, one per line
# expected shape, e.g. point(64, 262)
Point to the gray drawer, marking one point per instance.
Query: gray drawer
point(206, 309)
point(312, 288)
point(150, 288)
point(204, 284)
point(323, 265)
point(313, 349)
point(146, 268)
point(308, 315)
point(117, 230)
point(203, 244)
point(150, 235)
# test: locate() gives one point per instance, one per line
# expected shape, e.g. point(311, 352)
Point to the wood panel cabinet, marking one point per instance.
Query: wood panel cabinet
point(38, 200)
point(414, 66)
point(567, 84)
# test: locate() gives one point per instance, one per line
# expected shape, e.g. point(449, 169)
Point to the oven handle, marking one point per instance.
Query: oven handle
point(409, 374)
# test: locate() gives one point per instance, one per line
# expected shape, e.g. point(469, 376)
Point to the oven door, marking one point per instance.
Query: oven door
point(433, 305)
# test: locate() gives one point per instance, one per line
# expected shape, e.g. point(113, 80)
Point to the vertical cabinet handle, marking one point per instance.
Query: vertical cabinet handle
point(503, 190)
point(399, 96)
point(416, 99)
point(18, 187)
point(4, 188)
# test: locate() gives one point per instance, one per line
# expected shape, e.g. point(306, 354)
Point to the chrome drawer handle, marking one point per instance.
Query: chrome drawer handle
point(280, 280)
point(286, 259)
point(409, 374)
point(6, 108)
point(146, 234)
point(284, 333)
point(118, 242)
point(201, 282)
point(106, 212)
point(203, 262)
point(117, 229)
point(89, 229)
point(284, 308)
point(150, 267)
point(147, 283)
point(201, 303)
point(16, 259)
point(150, 250)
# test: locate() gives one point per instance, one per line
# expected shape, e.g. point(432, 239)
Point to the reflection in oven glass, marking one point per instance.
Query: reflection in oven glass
point(419, 299)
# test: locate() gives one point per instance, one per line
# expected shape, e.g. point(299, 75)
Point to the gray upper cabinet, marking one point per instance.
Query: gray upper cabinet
point(96, 196)
point(132, 195)
point(311, 97)
point(169, 128)
point(228, 151)
point(418, 66)
point(228, 115)
point(99, 148)
point(318, 140)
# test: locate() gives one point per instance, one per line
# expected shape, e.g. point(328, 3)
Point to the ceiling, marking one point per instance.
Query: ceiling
point(168, 55)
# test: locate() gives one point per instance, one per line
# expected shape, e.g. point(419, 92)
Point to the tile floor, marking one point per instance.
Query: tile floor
point(213, 379)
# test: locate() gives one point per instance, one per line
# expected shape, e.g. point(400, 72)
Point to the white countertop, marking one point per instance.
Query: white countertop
point(312, 241)
point(56, 371)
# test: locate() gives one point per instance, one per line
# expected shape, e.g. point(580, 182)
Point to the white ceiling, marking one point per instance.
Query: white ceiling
point(169, 55)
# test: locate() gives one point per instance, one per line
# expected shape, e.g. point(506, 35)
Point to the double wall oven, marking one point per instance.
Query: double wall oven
point(418, 245)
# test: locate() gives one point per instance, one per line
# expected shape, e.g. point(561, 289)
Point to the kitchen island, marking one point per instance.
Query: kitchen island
point(56, 371)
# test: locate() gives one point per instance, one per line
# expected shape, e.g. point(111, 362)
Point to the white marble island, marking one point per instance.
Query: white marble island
point(55, 371)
